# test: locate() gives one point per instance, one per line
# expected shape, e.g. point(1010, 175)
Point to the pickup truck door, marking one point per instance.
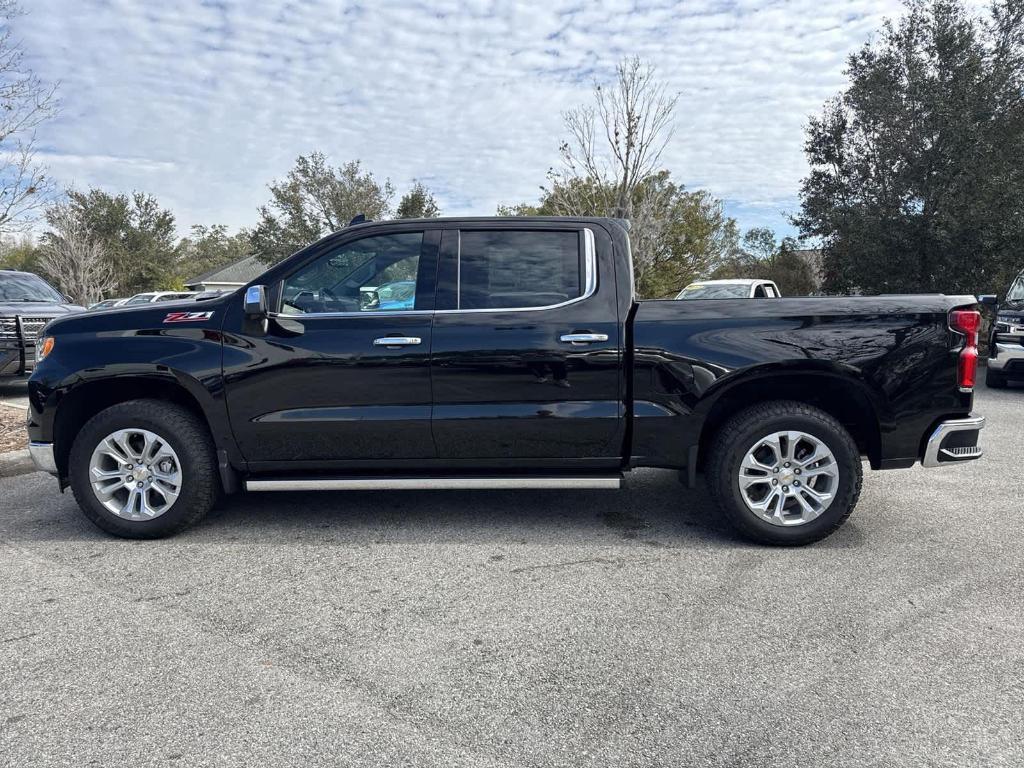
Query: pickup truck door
point(526, 360)
point(342, 375)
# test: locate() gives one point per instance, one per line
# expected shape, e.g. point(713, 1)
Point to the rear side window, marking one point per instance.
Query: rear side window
point(507, 269)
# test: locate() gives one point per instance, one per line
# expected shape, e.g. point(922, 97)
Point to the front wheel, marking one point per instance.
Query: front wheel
point(144, 469)
point(784, 473)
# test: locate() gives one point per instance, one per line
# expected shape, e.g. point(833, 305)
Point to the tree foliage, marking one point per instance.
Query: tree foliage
point(676, 235)
point(25, 103)
point(137, 235)
point(73, 258)
point(417, 203)
point(313, 200)
point(917, 180)
point(761, 257)
point(611, 166)
point(20, 253)
point(211, 247)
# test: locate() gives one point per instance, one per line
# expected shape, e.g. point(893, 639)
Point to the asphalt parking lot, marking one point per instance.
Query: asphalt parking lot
point(523, 629)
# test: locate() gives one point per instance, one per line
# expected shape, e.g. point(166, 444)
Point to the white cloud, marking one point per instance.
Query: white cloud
point(202, 103)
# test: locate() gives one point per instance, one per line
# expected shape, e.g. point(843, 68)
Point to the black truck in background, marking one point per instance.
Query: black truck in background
point(1006, 344)
point(497, 353)
point(27, 304)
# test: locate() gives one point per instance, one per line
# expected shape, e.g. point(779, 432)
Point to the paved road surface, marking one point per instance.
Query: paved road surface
point(523, 629)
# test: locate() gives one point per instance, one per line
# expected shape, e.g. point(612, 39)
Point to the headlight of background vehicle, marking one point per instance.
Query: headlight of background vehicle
point(43, 347)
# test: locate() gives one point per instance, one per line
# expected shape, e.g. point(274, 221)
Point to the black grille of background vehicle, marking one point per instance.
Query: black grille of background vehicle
point(8, 328)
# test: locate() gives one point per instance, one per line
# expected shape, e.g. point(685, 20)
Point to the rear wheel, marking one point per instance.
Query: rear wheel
point(994, 380)
point(144, 469)
point(784, 473)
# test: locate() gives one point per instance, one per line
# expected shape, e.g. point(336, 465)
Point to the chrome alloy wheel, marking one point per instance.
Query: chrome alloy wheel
point(135, 474)
point(788, 478)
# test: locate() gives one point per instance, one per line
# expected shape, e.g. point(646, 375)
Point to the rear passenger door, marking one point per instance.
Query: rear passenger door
point(526, 358)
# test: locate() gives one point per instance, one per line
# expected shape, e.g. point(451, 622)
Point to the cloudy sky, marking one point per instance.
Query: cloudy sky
point(203, 102)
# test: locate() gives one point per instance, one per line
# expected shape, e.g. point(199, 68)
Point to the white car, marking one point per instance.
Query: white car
point(154, 296)
point(731, 289)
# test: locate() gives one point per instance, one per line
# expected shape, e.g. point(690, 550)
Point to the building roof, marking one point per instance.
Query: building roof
point(241, 271)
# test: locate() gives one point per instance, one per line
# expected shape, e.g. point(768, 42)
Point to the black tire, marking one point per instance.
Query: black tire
point(187, 436)
point(743, 431)
point(994, 380)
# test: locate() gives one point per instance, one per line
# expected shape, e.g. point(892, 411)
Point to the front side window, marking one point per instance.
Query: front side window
point(375, 274)
point(514, 268)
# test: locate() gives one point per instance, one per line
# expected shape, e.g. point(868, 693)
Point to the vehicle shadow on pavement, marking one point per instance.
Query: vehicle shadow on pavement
point(652, 510)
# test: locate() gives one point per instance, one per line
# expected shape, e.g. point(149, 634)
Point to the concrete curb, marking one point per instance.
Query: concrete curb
point(15, 463)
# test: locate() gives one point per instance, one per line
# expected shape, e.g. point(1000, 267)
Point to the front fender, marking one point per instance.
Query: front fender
point(88, 371)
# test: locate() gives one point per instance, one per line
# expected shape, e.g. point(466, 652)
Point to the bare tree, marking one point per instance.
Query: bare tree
point(613, 155)
point(25, 102)
point(73, 258)
point(616, 145)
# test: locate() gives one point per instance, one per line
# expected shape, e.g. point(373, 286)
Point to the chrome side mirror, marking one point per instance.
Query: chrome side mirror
point(256, 302)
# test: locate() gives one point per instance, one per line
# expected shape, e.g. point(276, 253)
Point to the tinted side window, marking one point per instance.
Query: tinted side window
point(759, 292)
point(375, 274)
point(508, 269)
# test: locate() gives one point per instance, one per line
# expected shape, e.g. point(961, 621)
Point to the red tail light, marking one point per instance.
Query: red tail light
point(967, 322)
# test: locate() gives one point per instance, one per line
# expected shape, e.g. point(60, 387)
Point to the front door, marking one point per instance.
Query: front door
point(526, 361)
point(342, 376)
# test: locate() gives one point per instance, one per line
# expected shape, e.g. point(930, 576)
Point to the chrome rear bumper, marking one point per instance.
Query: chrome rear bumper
point(952, 441)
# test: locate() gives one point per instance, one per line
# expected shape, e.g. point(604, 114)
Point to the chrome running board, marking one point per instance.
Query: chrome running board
point(432, 483)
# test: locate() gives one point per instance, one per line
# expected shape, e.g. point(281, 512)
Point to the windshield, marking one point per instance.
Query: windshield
point(1016, 292)
point(714, 291)
point(142, 298)
point(29, 288)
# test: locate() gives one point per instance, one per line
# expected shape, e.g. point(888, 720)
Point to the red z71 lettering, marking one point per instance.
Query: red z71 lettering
point(187, 317)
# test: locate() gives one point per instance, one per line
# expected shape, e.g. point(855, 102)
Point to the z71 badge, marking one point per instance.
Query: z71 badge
point(187, 317)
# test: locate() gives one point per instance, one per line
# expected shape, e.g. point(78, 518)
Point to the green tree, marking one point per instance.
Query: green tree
point(418, 203)
point(676, 235)
point(137, 235)
point(208, 248)
point(313, 200)
point(917, 167)
point(22, 254)
point(761, 257)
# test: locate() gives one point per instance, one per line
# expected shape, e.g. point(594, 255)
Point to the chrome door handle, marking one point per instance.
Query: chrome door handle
point(583, 338)
point(397, 341)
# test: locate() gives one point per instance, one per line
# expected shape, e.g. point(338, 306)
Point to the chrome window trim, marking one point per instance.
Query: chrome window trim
point(327, 315)
point(589, 279)
point(589, 282)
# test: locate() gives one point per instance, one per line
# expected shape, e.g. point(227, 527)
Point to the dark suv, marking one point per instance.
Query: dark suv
point(27, 303)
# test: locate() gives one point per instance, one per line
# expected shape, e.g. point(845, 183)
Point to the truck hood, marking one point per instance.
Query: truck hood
point(163, 314)
point(37, 309)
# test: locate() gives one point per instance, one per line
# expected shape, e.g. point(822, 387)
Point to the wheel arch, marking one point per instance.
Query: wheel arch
point(839, 393)
point(86, 397)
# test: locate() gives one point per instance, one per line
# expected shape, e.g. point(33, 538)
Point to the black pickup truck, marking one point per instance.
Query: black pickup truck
point(497, 353)
point(27, 304)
